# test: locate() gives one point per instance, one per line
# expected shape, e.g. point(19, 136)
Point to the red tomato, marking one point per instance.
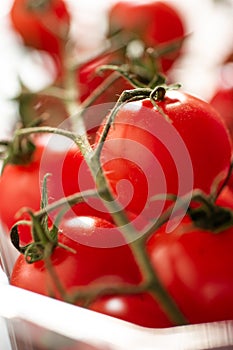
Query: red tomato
point(20, 185)
point(43, 25)
point(89, 264)
point(141, 309)
point(154, 22)
point(195, 265)
point(145, 154)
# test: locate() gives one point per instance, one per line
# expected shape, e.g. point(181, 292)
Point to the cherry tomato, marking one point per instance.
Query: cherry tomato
point(43, 25)
point(97, 246)
point(174, 147)
point(154, 22)
point(195, 265)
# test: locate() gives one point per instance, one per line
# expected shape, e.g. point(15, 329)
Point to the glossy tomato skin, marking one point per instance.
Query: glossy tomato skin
point(184, 148)
point(141, 309)
point(195, 266)
point(42, 25)
point(88, 264)
point(153, 22)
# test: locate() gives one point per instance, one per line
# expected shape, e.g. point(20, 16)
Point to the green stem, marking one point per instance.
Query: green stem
point(66, 201)
point(80, 140)
point(96, 290)
point(137, 246)
point(167, 48)
point(123, 71)
point(56, 280)
point(99, 91)
point(155, 286)
point(216, 193)
point(45, 129)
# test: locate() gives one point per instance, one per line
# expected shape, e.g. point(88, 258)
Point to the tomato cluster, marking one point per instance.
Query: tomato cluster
point(126, 207)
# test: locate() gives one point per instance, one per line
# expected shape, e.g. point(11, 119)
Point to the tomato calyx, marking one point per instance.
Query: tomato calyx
point(20, 151)
point(211, 217)
point(141, 70)
point(208, 215)
point(139, 74)
point(136, 62)
point(45, 239)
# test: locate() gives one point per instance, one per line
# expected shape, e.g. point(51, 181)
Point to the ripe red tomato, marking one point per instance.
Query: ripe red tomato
point(154, 22)
point(89, 264)
point(145, 154)
point(195, 265)
point(43, 25)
